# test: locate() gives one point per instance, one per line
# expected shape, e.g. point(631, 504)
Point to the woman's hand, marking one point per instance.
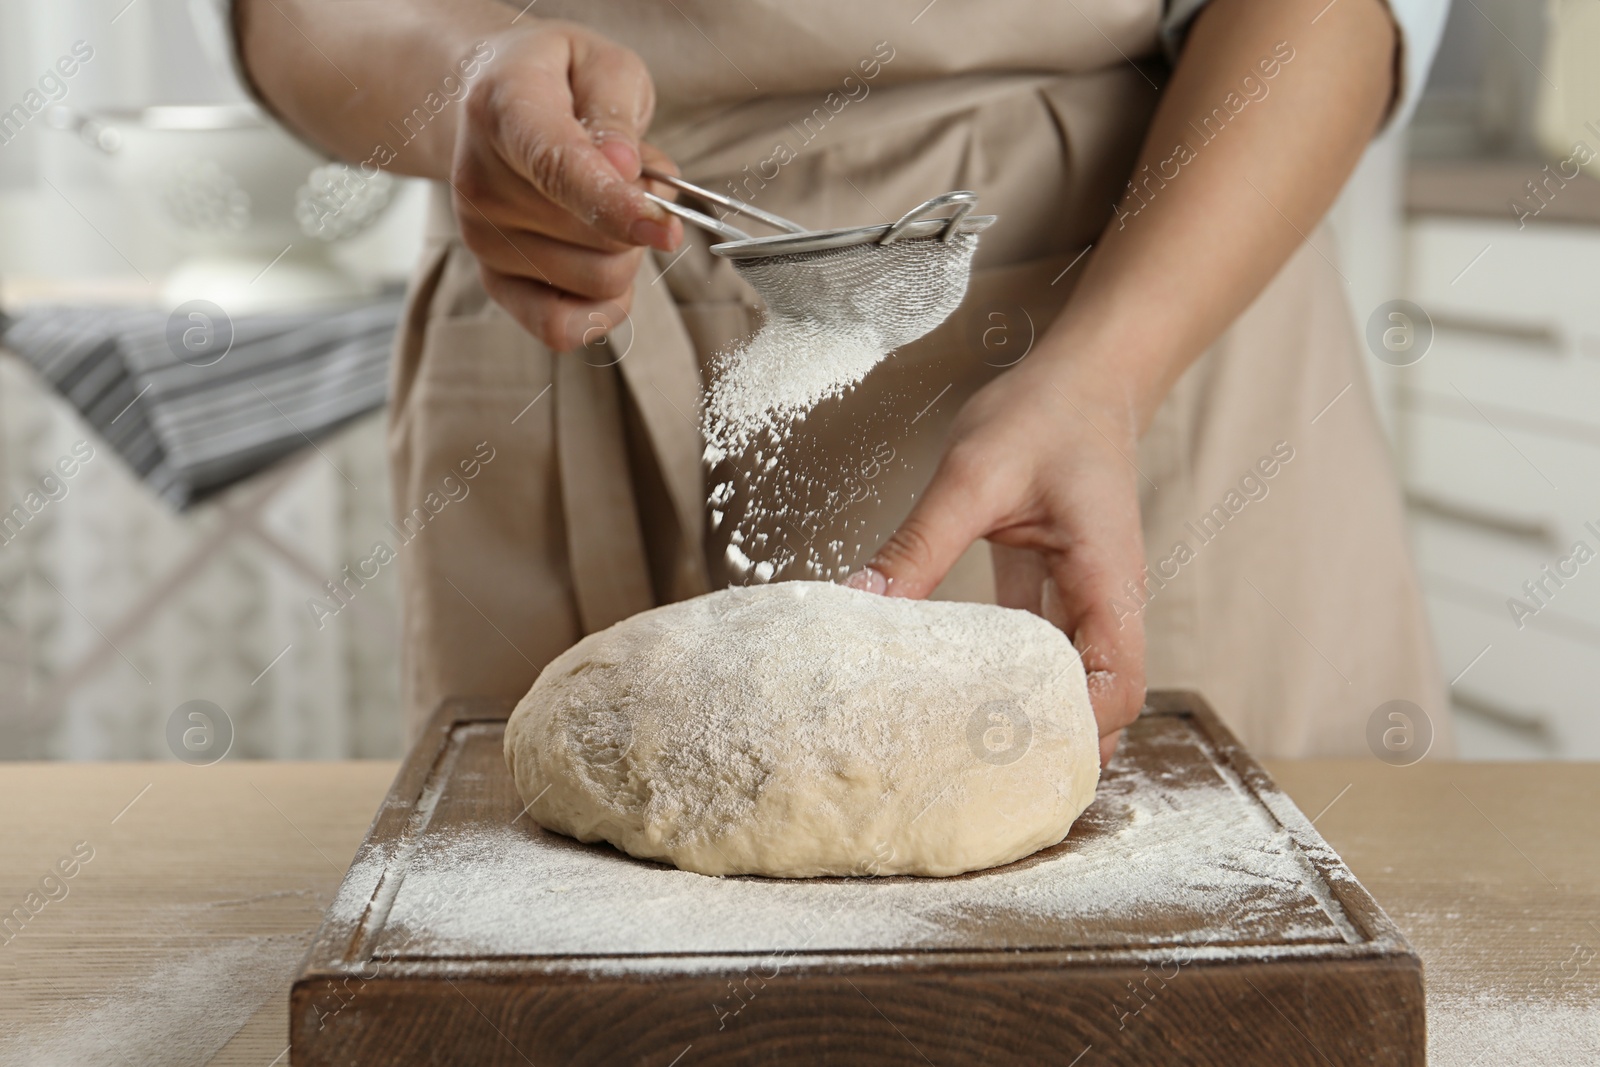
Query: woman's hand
point(1040, 462)
point(546, 179)
point(542, 149)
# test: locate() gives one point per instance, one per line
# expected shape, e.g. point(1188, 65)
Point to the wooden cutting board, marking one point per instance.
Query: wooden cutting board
point(1193, 915)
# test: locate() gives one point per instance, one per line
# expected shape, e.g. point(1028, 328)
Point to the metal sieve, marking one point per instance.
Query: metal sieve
point(896, 281)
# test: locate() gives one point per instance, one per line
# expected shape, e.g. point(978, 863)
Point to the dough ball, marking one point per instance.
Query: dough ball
point(805, 729)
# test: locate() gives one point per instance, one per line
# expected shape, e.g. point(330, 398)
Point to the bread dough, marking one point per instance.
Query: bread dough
point(804, 729)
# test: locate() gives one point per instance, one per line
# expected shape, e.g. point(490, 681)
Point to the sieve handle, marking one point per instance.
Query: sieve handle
point(964, 201)
point(705, 222)
point(777, 222)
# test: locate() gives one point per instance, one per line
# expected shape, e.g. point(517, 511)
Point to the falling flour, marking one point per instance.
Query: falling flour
point(788, 368)
point(831, 317)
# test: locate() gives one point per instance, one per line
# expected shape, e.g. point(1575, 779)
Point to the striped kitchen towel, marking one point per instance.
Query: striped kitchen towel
point(194, 402)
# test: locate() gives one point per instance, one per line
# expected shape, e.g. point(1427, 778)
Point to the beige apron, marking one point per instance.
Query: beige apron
point(1296, 611)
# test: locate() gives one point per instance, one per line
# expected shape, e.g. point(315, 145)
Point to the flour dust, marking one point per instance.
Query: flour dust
point(769, 487)
point(181, 1013)
point(832, 316)
point(804, 502)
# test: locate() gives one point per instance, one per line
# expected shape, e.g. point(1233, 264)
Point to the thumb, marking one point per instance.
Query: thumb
point(918, 555)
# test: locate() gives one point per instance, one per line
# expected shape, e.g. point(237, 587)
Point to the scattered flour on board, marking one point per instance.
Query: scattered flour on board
point(190, 1006)
point(1217, 871)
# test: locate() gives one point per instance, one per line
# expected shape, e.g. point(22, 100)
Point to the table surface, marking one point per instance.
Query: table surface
point(176, 942)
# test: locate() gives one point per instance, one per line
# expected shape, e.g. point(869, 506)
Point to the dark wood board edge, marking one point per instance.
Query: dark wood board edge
point(1366, 1012)
point(567, 968)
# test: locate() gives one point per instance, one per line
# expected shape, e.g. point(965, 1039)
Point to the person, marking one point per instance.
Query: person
point(1150, 413)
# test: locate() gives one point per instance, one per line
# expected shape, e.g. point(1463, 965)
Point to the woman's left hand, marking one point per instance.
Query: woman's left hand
point(1041, 463)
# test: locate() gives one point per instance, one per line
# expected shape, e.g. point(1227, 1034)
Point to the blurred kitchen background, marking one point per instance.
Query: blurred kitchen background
point(117, 607)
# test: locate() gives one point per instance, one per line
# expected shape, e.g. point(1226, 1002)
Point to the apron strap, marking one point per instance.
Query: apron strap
point(605, 546)
point(662, 377)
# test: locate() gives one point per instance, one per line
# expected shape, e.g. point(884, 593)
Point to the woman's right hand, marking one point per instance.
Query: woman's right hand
point(546, 181)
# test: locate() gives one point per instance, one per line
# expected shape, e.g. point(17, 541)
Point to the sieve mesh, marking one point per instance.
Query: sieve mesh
point(887, 295)
point(831, 316)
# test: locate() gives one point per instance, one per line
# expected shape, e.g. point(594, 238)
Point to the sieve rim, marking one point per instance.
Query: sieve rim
point(820, 240)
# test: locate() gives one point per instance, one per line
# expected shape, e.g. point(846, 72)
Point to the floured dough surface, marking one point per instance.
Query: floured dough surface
point(804, 729)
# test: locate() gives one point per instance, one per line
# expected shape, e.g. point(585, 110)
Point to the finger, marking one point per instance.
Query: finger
point(578, 271)
point(945, 522)
point(488, 193)
point(1084, 597)
point(1019, 577)
point(561, 321)
point(538, 133)
point(614, 98)
point(1108, 747)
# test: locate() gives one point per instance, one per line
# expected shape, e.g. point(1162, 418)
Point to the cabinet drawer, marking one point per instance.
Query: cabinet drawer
point(1538, 278)
point(1520, 376)
point(1527, 478)
point(1494, 568)
point(1538, 675)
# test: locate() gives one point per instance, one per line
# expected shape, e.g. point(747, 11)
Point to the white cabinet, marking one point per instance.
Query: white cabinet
point(1498, 430)
point(1542, 277)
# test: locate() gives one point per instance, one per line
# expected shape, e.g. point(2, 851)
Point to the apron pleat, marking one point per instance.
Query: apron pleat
point(610, 576)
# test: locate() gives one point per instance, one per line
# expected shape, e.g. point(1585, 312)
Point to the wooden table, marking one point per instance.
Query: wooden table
point(178, 939)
